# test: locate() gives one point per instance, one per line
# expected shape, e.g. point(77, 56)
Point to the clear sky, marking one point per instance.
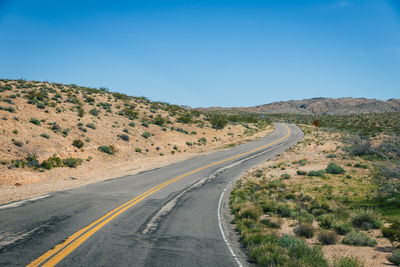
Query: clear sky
point(207, 53)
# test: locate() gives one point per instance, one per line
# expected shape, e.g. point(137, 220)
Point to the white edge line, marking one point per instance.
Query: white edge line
point(20, 203)
point(222, 230)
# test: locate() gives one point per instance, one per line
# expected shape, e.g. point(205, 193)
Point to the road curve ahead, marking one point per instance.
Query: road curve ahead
point(162, 217)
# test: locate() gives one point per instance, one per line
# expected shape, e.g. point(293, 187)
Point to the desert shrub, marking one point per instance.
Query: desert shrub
point(158, 120)
point(302, 254)
point(251, 212)
point(333, 168)
point(124, 137)
point(145, 124)
point(304, 230)
point(94, 112)
point(300, 172)
point(72, 162)
point(358, 239)
point(66, 131)
point(17, 142)
point(189, 143)
point(35, 121)
point(273, 222)
point(392, 232)
point(45, 135)
point(218, 121)
point(269, 206)
point(52, 162)
point(326, 221)
point(202, 140)
point(184, 119)
point(360, 148)
point(348, 261)
point(111, 150)
point(331, 156)
point(138, 149)
point(284, 210)
point(319, 173)
point(366, 219)
point(78, 143)
point(395, 257)
point(91, 126)
point(129, 113)
point(55, 127)
point(285, 176)
point(327, 237)
point(343, 228)
point(146, 135)
point(132, 124)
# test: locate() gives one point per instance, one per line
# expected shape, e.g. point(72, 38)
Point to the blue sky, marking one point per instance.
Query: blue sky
point(207, 53)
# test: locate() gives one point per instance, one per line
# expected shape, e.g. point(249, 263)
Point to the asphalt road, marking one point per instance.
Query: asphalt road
point(163, 217)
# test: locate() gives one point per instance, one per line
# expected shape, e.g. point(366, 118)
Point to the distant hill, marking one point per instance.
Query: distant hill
point(321, 105)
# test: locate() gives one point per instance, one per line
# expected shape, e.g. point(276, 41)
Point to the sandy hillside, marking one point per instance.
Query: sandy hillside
point(56, 136)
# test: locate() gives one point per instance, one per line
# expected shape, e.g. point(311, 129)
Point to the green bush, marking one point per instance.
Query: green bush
point(124, 137)
point(395, 257)
point(91, 126)
point(392, 232)
point(304, 230)
point(35, 121)
point(111, 150)
point(319, 173)
point(334, 169)
point(327, 237)
point(343, 228)
point(94, 112)
point(300, 172)
point(366, 219)
point(348, 261)
point(72, 162)
point(326, 221)
point(285, 176)
point(252, 212)
point(52, 162)
point(78, 143)
point(45, 135)
point(138, 149)
point(358, 239)
point(273, 222)
point(146, 135)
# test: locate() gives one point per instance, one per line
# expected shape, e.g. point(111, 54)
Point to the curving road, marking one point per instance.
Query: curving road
point(164, 217)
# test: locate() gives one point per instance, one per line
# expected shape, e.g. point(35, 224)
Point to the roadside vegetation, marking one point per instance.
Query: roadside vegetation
point(47, 125)
point(335, 197)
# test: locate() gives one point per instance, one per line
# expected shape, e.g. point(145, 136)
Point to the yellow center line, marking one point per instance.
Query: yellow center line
point(60, 251)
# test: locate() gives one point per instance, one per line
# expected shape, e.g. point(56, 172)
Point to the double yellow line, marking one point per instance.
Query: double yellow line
point(60, 251)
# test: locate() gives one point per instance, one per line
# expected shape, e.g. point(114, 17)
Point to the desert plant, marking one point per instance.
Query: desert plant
point(17, 142)
point(78, 143)
point(319, 173)
point(333, 168)
point(366, 219)
point(94, 112)
point(343, 228)
point(91, 126)
point(273, 222)
point(327, 237)
point(304, 230)
point(326, 221)
point(35, 121)
point(72, 162)
point(300, 172)
point(348, 261)
point(138, 149)
point(285, 176)
point(395, 257)
point(107, 149)
point(358, 239)
point(124, 137)
point(146, 135)
point(392, 232)
point(45, 135)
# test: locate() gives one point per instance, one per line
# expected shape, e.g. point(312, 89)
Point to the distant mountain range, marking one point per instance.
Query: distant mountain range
point(322, 105)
